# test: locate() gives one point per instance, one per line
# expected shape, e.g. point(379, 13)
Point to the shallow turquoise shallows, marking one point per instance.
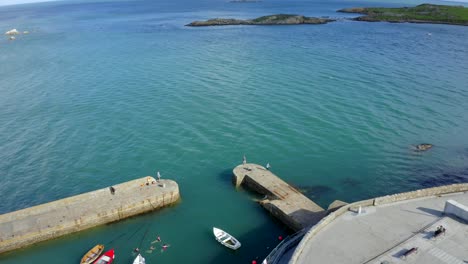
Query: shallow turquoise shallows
point(104, 92)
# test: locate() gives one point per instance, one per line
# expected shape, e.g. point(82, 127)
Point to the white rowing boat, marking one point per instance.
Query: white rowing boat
point(226, 239)
point(139, 260)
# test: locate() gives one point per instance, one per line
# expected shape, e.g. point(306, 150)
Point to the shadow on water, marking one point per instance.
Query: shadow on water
point(316, 193)
point(226, 176)
point(435, 177)
point(351, 182)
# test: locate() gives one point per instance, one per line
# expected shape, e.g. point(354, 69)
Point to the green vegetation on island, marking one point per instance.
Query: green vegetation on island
point(425, 13)
point(280, 19)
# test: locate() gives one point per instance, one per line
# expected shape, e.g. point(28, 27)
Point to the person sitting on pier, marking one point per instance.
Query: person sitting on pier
point(439, 231)
point(112, 190)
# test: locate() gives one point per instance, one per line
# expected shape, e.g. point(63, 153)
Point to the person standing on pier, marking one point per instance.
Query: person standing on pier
point(244, 161)
point(159, 176)
point(268, 166)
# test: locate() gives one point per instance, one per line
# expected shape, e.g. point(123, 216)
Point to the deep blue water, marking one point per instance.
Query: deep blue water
point(103, 92)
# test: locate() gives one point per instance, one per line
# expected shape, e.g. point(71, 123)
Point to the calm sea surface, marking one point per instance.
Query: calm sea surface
point(104, 92)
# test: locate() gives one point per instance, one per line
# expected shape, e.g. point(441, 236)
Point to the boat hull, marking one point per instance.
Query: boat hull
point(106, 258)
point(226, 239)
point(92, 254)
point(139, 260)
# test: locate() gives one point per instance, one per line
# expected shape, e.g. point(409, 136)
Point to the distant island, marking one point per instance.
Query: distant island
point(425, 13)
point(245, 1)
point(280, 19)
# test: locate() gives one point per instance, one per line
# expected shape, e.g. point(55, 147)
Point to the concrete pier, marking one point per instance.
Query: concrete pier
point(50, 220)
point(282, 200)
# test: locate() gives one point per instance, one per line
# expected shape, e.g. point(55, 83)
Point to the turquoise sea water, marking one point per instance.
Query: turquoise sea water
point(104, 92)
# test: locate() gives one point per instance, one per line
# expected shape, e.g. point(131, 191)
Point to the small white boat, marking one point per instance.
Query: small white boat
point(226, 239)
point(139, 260)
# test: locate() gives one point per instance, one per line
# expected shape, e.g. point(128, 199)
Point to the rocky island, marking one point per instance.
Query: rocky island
point(280, 19)
point(425, 13)
point(245, 1)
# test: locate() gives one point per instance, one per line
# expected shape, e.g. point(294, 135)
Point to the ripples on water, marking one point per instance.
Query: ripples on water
point(107, 92)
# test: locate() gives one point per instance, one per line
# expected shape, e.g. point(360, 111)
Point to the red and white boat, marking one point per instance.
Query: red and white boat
point(107, 258)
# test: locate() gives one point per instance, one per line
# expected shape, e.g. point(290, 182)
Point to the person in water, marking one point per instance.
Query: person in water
point(158, 239)
point(164, 247)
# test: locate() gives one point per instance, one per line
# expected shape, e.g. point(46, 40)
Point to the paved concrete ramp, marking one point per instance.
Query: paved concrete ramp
point(282, 200)
point(50, 220)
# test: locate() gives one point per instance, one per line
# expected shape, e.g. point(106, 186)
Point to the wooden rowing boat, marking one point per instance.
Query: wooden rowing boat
point(92, 254)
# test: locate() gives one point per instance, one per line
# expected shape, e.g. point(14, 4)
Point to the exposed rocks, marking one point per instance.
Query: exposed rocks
point(245, 1)
point(359, 10)
point(12, 32)
point(425, 13)
point(279, 19)
point(423, 147)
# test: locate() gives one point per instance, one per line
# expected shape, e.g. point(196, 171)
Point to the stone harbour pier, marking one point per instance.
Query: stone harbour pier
point(112, 203)
point(283, 201)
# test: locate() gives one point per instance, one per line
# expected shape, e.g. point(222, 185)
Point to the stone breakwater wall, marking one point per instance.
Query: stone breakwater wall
point(54, 219)
point(436, 191)
point(421, 193)
point(283, 201)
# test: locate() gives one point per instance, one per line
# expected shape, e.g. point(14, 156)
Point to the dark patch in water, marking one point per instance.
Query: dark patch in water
point(315, 191)
point(226, 176)
point(446, 178)
point(351, 182)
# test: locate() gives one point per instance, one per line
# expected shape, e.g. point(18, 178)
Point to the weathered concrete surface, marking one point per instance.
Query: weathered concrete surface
point(383, 231)
point(456, 209)
point(421, 193)
point(283, 201)
point(50, 220)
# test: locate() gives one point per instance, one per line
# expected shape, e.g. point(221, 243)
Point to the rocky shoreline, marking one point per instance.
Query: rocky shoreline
point(280, 19)
point(425, 13)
